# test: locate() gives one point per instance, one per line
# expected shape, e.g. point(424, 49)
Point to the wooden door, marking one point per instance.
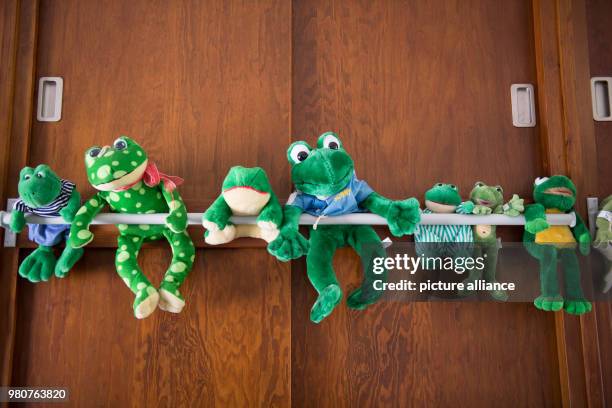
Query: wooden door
point(418, 91)
point(203, 86)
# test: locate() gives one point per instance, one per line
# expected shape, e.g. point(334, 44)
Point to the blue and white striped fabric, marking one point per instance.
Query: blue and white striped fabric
point(53, 208)
point(443, 233)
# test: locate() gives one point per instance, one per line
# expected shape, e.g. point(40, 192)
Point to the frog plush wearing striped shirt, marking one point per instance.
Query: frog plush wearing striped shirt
point(553, 245)
point(444, 240)
point(43, 193)
point(130, 183)
point(327, 186)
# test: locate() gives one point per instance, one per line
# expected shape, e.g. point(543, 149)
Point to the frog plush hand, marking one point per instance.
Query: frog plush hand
point(490, 200)
point(245, 191)
point(43, 193)
point(326, 186)
point(454, 240)
point(552, 244)
point(129, 183)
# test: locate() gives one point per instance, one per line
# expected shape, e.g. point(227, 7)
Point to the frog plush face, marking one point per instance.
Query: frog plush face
point(39, 186)
point(487, 196)
point(555, 192)
point(113, 167)
point(442, 198)
point(246, 190)
point(323, 171)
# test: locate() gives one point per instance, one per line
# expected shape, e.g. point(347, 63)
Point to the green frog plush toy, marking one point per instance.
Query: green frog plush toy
point(245, 191)
point(444, 240)
point(556, 244)
point(130, 184)
point(43, 193)
point(603, 239)
point(490, 200)
point(327, 186)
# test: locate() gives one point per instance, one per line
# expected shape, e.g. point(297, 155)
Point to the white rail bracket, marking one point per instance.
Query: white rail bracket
point(592, 210)
point(10, 238)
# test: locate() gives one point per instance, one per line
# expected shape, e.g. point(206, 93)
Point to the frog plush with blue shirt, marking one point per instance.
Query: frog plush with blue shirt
point(327, 186)
point(43, 193)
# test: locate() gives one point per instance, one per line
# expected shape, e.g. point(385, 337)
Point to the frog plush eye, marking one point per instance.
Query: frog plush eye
point(40, 174)
point(499, 189)
point(540, 180)
point(454, 187)
point(299, 153)
point(331, 142)
point(479, 184)
point(94, 152)
point(119, 144)
point(27, 177)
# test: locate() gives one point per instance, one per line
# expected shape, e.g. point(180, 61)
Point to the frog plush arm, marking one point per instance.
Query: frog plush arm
point(582, 235)
point(466, 207)
point(289, 244)
point(17, 222)
point(72, 206)
point(217, 216)
point(80, 235)
point(402, 216)
point(535, 218)
point(177, 219)
point(514, 207)
point(271, 216)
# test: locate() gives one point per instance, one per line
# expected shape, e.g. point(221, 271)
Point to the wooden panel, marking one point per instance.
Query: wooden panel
point(420, 91)
point(229, 347)
point(203, 86)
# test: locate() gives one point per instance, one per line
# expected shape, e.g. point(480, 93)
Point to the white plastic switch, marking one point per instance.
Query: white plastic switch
point(50, 90)
point(523, 105)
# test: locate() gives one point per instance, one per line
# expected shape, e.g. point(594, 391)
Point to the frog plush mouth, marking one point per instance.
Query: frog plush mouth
point(126, 180)
point(439, 207)
point(246, 200)
point(562, 191)
point(486, 203)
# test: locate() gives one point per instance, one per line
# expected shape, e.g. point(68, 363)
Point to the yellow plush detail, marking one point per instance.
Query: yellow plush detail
point(556, 234)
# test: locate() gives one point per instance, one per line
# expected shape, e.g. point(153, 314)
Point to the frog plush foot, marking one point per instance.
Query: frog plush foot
point(70, 256)
point(359, 301)
point(326, 302)
point(146, 302)
point(39, 265)
point(577, 307)
point(170, 299)
point(218, 237)
point(549, 303)
point(500, 295)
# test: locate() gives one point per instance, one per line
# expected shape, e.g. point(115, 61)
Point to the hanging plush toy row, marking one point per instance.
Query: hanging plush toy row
point(326, 185)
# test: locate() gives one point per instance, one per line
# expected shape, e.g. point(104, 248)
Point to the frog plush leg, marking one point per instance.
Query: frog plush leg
point(475, 273)
point(183, 254)
point(321, 273)
point(270, 219)
point(290, 244)
point(69, 257)
point(575, 302)
point(79, 229)
point(39, 265)
point(219, 230)
point(367, 244)
point(550, 298)
point(490, 270)
point(126, 263)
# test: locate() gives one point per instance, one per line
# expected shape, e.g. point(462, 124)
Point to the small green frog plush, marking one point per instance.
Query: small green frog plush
point(245, 191)
point(444, 240)
point(43, 193)
point(603, 239)
point(327, 186)
point(130, 184)
point(555, 244)
point(490, 200)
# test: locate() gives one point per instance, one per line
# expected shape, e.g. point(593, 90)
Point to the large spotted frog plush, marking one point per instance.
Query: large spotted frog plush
point(327, 186)
point(43, 193)
point(556, 244)
point(129, 183)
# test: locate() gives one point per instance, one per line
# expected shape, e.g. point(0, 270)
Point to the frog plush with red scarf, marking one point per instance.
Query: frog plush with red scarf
point(130, 184)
